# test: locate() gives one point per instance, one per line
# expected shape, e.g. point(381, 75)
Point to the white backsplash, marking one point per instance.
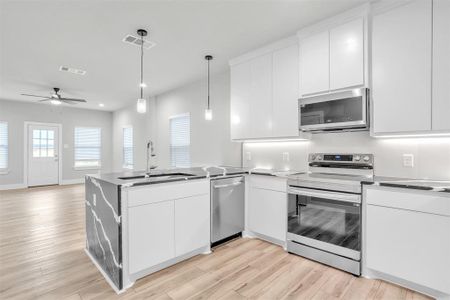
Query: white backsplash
point(431, 155)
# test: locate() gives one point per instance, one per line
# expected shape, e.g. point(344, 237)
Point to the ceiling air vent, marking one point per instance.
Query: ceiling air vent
point(134, 40)
point(72, 70)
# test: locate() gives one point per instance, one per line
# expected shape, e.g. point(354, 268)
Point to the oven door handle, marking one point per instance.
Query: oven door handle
point(326, 195)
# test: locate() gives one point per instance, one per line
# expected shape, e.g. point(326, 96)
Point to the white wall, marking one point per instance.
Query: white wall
point(16, 113)
point(210, 140)
point(431, 155)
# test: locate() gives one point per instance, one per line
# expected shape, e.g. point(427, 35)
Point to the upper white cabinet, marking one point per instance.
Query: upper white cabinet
point(401, 68)
point(315, 64)
point(285, 92)
point(264, 92)
point(332, 59)
point(347, 55)
point(441, 65)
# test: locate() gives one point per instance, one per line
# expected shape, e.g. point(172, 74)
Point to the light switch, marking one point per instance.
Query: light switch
point(248, 155)
point(408, 160)
point(286, 156)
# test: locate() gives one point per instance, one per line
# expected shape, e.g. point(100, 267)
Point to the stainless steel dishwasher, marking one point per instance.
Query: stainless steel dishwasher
point(227, 208)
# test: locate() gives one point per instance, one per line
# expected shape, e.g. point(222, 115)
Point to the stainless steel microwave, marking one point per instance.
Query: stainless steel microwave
point(340, 111)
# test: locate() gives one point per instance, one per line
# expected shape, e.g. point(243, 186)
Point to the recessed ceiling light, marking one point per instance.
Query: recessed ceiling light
point(101, 105)
point(72, 70)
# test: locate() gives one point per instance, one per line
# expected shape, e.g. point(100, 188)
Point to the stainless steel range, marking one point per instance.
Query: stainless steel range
point(324, 209)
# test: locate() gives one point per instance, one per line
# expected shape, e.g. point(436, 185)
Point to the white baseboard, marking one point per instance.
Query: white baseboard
point(72, 181)
point(15, 186)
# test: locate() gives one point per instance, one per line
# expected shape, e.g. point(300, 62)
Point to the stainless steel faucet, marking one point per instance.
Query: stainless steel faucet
point(150, 154)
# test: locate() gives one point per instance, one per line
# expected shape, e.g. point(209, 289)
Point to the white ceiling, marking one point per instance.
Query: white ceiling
point(39, 36)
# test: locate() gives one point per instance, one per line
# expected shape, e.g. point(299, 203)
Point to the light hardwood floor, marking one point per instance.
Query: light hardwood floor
point(42, 257)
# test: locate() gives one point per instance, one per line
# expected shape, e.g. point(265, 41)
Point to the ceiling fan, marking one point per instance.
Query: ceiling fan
point(56, 98)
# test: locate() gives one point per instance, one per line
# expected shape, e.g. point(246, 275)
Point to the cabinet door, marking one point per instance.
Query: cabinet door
point(240, 100)
point(261, 96)
point(441, 65)
point(314, 64)
point(267, 213)
point(285, 92)
point(409, 245)
point(347, 55)
point(192, 224)
point(151, 235)
point(401, 68)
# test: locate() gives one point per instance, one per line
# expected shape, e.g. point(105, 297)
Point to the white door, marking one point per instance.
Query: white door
point(43, 155)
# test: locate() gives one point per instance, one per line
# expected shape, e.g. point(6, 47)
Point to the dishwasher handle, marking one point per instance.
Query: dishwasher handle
point(219, 186)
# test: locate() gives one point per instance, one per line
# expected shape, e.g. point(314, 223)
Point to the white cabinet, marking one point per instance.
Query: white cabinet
point(151, 235)
point(333, 59)
point(407, 236)
point(315, 63)
point(261, 96)
point(347, 55)
point(264, 93)
point(192, 228)
point(240, 95)
point(266, 207)
point(441, 65)
point(285, 92)
point(401, 68)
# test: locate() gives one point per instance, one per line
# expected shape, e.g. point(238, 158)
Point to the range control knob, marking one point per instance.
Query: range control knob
point(313, 157)
point(357, 158)
point(366, 158)
point(319, 157)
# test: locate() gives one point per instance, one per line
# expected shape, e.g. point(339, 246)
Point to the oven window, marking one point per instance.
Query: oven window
point(333, 111)
point(325, 220)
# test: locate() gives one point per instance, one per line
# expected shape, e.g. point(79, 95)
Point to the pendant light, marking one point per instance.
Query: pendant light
point(208, 111)
point(141, 105)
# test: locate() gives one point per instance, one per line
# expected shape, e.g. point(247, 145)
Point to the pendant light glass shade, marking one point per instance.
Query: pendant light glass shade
point(208, 111)
point(141, 106)
point(208, 114)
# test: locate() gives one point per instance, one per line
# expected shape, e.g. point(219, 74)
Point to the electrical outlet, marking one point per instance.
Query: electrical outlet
point(408, 160)
point(248, 156)
point(285, 156)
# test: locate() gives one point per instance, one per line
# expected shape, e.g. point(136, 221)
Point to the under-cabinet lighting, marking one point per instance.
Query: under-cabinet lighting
point(413, 135)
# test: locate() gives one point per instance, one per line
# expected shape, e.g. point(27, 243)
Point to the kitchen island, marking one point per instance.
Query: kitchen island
point(137, 224)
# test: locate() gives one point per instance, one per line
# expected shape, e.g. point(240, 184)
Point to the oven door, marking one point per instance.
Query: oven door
point(329, 221)
point(337, 111)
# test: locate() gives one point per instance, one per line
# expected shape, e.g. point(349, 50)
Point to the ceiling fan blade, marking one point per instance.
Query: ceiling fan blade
point(46, 99)
point(34, 95)
point(68, 102)
point(72, 99)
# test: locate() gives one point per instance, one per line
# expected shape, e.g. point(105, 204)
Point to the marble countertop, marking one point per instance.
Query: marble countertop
point(417, 184)
point(196, 173)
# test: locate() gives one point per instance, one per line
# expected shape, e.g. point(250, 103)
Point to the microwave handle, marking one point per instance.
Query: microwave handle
point(325, 195)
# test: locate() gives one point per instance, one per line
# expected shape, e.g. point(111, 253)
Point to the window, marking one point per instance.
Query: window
point(87, 147)
point(128, 147)
point(43, 143)
point(3, 146)
point(180, 140)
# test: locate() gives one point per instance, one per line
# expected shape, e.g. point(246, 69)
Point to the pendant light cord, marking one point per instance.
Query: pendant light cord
point(142, 66)
point(208, 83)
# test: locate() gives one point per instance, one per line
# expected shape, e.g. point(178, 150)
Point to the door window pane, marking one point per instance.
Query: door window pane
point(43, 143)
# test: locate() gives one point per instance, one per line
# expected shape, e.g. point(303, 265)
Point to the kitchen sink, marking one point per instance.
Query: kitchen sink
point(157, 176)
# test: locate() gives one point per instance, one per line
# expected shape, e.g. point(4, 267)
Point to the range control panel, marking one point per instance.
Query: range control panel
point(341, 158)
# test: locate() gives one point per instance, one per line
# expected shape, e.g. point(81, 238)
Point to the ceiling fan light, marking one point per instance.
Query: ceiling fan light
point(141, 106)
point(55, 102)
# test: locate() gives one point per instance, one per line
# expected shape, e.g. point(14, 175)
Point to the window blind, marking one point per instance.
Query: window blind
point(128, 147)
point(180, 140)
point(3, 145)
point(87, 147)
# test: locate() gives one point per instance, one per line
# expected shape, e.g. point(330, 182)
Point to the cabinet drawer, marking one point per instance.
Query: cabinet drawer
point(427, 202)
point(268, 183)
point(166, 191)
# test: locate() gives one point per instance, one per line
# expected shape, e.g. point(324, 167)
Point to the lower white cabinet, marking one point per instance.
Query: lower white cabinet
point(151, 235)
point(166, 221)
point(408, 236)
point(266, 209)
point(192, 224)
